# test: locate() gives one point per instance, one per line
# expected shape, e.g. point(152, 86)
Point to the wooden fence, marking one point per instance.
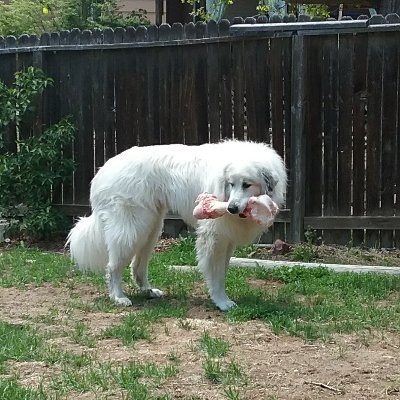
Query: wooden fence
point(324, 94)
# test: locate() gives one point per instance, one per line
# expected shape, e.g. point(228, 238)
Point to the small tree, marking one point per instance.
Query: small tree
point(30, 176)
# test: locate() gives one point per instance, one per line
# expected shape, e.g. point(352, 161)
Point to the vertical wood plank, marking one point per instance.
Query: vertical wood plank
point(149, 68)
point(164, 85)
point(287, 63)
point(314, 127)
point(346, 67)
point(330, 110)
point(226, 76)
point(397, 166)
point(251, 88)
point(374, 132)
point(238, 74)
point(359, 131)
point(389, 131)
point(298, 161)
point(126, 84)
point(200, 93)
point(277, 92)
point(214, 116)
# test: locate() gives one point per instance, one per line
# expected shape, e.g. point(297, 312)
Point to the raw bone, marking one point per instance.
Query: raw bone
point(261, 209)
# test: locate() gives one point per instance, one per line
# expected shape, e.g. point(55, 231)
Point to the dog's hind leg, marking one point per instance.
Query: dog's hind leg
point(114, 271)
point(139, 264)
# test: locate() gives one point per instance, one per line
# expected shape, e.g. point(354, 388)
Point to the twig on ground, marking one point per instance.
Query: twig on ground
point(324, 386)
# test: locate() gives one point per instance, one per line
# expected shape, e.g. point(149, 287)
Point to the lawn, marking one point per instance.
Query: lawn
point(296, 333)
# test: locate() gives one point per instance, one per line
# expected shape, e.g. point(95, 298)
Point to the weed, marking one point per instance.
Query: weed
point(235, 374)
point(232, 393)
point(81, 335)
point(173, 357)
point(214, 347)
point(213, 370)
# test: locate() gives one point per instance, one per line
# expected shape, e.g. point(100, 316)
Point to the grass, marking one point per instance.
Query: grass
point(137, 326)
point(213, 347)
point(313, 304)
point(20, 343)
point(11, 390)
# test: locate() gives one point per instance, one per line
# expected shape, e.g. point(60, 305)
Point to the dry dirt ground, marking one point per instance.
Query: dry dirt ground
point(361, 366)
point(358, 366)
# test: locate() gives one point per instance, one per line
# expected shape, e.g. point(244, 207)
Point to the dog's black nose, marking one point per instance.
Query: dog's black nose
point(233, 208)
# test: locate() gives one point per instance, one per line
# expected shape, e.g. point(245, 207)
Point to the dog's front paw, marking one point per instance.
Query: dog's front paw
point(225, 305)
point(154, 293)
point(122, 301)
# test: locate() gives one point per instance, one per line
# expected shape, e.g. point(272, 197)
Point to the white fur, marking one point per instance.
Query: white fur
point(131, 194)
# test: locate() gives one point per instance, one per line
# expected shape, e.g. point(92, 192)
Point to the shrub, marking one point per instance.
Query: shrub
point(31, 176)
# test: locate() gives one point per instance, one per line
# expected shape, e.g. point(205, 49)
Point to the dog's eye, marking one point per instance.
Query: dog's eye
point(230, 184)
point(246, 185)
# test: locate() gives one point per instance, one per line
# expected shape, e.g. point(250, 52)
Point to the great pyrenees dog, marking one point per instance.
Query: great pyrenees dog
point(132, 193)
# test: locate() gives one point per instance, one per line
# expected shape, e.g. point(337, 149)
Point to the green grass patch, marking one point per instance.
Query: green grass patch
point(10, 390)
point(138, 325)
point(135, 378)
point(213, 347)
point(19, 343)
point(20, 266)
point(315, 303)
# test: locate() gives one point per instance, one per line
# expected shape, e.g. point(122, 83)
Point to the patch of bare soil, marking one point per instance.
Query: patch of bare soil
point(359, 366)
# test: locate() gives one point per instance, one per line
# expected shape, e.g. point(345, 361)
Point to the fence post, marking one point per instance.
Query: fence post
point(298, 150)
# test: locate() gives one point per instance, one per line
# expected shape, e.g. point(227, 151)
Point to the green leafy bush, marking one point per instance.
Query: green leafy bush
point(31, 176)
point(32, 16)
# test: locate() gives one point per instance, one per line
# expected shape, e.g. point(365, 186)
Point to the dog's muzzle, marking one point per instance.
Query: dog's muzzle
point(233, 208)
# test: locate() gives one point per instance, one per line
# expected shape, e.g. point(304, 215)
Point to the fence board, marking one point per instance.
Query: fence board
point(274, 120)
point(396, 182)
point(346, 67)
point(238, 89)
point(389, 132)
point(200, 94)
point(214, 116)
point(81, 109)
point(226, 74)
point(314, 185)
point(277, 93)
point(330, 138)
point(374, 142)
point(251, 89)
point(176, 99)
point(149, 68)
point(126, 85)
point(164, 91)
point(359, 131)
point(99, 71)
point(286, 65)
point(189, 132)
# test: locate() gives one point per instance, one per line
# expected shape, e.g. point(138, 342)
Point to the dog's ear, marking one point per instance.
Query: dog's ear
point(269, 182)
point(221, 187)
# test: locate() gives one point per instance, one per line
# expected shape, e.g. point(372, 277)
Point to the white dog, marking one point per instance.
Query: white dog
point(132, 193)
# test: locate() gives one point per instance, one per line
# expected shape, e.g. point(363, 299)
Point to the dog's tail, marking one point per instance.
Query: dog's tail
point(87, 245)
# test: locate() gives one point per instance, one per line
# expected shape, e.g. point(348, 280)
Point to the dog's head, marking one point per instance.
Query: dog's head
point(243, 179)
